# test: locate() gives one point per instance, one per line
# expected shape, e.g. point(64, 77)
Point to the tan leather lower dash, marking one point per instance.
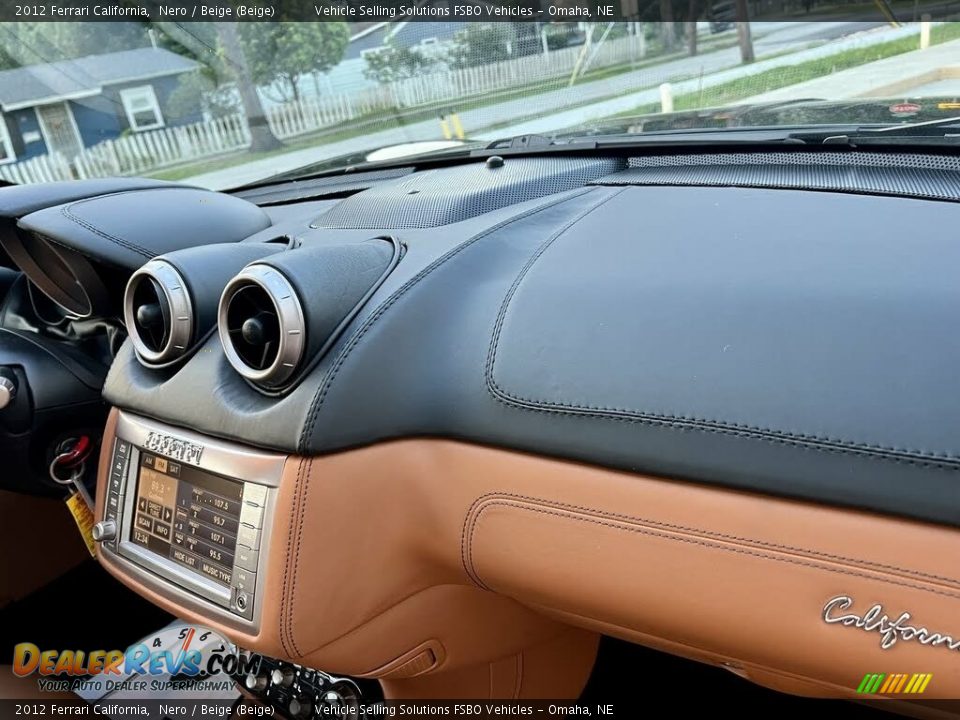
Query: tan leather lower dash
point(420, 558)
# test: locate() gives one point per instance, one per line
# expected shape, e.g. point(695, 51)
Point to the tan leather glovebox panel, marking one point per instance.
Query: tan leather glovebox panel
point(426, 556)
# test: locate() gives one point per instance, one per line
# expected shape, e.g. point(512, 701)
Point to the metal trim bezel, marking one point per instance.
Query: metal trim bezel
point(182, 587)
point(292, 342)
point(218, 456)
point(174, 289)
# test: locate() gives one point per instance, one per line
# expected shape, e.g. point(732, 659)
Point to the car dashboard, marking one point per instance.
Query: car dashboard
point(442, 426)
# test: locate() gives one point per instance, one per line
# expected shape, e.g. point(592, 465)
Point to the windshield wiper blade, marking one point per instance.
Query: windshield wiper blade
point(537, 144)
point(929, 132)
point(910, 128)
point(520, 141)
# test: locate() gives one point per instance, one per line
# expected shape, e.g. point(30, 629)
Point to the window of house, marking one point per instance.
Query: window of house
point(6, 147)
point(142, 108)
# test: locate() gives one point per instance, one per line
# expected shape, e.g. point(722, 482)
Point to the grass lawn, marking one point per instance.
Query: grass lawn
point(775, 78)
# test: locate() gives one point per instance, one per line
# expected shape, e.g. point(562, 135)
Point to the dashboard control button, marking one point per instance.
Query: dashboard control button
point(296, 692)
point(332, 698)
point(300, 707)
point(256, 683)
point(116, 484)
point(104, 530)
point(341, 695)
point(249, 536)
point(255, 494)
point(246, 558)
point(8, 391)
point(244, 580)
point(251, 515)
point(282, 676)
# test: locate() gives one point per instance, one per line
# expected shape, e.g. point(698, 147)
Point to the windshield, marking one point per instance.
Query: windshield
point(224, 103)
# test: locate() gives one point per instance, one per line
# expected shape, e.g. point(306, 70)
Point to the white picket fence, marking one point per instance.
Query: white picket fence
point(312, 114)
point(144, 152)
point(45, 168)
point(509, 74)
point(136, 154)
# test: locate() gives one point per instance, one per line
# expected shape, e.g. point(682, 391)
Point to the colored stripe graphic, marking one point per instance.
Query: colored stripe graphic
point(918, 683)
point(870, 683)
point(894, 683)
point(903, 680)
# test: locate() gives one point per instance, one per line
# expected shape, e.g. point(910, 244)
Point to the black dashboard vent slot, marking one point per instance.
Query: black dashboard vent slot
point(158, 313)
point(170, 305)
point(253, 326)
point(151, 314)
point(279, 315)
point(918, 175)
point(262, 327)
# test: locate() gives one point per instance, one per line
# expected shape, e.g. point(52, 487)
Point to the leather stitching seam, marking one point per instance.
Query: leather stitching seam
point(285, 604)
point(922, 458)
point(320, 396)
point(66, 212)
point(544, 510)
point(305, 493)
point(920, 575)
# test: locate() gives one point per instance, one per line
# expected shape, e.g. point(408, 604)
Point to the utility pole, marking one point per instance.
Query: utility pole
point(743, 33)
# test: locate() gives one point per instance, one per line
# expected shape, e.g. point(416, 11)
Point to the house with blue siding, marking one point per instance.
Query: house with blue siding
point(349, 75)
point(70, 105)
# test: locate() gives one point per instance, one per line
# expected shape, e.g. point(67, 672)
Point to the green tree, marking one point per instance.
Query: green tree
point(235, 60)
point(397, 62)
point(195, 91)
point(187, 97)
point(558, 35)
point(29, 43)
point(479, 44)
point(218, 47)
point(281, 52)
point(197, 41)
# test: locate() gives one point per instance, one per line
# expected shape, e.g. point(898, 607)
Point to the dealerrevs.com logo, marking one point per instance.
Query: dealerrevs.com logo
point(186, 652)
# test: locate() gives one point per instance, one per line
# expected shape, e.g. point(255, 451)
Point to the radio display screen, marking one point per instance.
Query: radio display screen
point(187, 515)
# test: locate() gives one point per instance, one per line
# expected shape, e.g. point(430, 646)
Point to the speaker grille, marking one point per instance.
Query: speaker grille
point(917, 175)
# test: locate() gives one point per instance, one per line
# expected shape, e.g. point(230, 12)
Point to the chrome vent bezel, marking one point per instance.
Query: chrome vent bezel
point(292, 331)
point(180, 331)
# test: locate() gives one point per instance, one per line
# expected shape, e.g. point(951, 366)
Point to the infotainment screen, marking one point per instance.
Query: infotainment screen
point(187, 515)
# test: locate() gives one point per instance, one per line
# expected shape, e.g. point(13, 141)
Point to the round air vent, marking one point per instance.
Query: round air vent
point(261, 326)
point(158, 313)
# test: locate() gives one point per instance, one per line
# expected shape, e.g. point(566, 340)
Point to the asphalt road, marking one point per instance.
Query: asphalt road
point(813, 31)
